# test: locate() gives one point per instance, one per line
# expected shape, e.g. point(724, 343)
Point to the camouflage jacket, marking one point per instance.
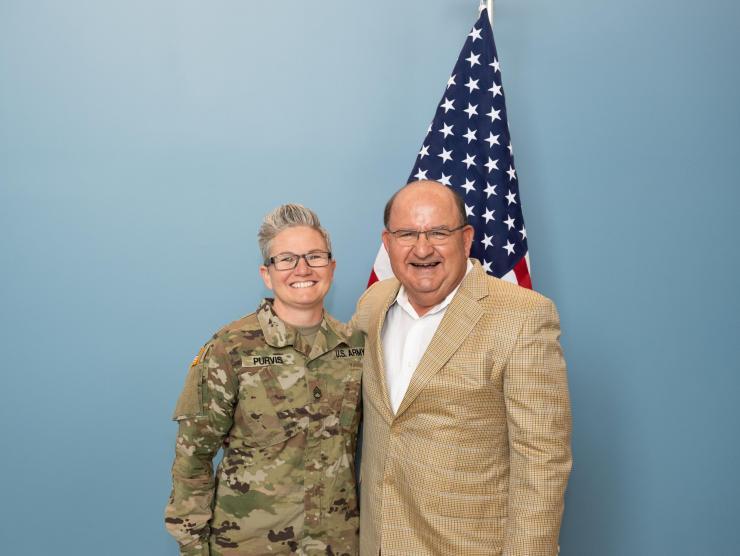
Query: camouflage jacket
point(286, 414)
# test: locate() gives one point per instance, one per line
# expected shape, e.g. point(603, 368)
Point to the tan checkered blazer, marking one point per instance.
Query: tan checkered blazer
point(477, 457)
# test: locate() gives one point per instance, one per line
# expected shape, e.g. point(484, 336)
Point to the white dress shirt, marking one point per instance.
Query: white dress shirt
point(405, 337)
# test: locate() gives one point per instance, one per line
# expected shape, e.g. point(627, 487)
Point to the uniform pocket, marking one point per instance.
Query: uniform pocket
point(270, 413)
point(192, 401)
point(349, 414)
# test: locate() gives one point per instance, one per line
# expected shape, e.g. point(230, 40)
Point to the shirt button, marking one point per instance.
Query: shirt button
point(317, 393)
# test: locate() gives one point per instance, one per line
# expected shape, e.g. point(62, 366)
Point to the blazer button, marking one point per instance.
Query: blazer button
point(317, 393)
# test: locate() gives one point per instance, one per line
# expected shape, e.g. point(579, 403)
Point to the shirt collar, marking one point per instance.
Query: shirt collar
point(402, 299)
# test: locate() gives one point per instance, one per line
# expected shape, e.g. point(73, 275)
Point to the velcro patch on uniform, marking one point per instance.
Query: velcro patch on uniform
point(349, 352)
point(268, 359)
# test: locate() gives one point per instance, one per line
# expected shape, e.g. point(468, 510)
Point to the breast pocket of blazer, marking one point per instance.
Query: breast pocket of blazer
point(272, 408)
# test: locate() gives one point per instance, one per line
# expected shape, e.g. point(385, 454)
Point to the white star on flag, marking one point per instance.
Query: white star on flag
point(475, 34)
point(471, 110)
point(509, 247)
point(472, 84)
point(509, 222)
point(473, 59)
point(468, 186)
point(445, 155)
point(446, 130)
point(469, 160)
point(492, 139)
point(494, 115)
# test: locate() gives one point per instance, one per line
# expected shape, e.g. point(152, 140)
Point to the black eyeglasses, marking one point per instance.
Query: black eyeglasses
point(435, 236)
point(288, 261)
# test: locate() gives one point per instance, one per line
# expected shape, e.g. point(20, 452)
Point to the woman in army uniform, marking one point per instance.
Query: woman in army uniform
point(279, 390)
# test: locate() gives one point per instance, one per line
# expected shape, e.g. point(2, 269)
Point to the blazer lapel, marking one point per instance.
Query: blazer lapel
point(460, 319)
point(375, 329)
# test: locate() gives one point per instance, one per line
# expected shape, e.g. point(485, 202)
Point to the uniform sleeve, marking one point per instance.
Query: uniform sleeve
point(539, 423)
point(204, 413)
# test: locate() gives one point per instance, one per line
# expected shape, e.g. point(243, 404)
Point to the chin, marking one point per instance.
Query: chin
point(308, 300)
point(425, 286)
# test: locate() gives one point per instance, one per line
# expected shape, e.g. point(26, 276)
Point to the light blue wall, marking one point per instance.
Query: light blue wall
point(140, 143)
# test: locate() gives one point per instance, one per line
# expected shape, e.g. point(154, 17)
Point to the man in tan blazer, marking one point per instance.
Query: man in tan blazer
point(466, 412)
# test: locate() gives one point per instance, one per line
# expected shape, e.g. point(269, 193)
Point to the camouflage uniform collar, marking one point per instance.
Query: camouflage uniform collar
point(279, 333)
point(327, 338)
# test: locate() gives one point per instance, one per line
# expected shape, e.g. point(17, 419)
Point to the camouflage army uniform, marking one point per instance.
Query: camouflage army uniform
point(287, 415)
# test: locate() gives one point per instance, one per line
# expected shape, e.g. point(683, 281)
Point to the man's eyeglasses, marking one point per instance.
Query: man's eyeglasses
point(288, 261)
point(435, 236)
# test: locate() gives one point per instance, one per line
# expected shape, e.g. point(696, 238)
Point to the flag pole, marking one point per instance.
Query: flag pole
point(489, 5)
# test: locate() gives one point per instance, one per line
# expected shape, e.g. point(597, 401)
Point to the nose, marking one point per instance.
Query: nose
point(302, 268)
point(422, 247)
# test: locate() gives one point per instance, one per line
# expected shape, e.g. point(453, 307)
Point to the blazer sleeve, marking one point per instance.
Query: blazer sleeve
point(360, 320)
point(539, 424)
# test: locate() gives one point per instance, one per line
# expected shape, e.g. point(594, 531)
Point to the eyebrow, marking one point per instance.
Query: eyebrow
point(306, 253)
point(442, 227)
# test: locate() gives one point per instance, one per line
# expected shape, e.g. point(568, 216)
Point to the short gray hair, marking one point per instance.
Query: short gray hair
point(284, 217)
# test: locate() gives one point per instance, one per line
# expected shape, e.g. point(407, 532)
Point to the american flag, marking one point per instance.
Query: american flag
point(468, 147)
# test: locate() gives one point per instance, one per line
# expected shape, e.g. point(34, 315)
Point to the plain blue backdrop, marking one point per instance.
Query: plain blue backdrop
point(141, 142)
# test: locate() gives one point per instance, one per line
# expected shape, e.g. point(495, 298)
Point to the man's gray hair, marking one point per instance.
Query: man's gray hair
point(284, 217)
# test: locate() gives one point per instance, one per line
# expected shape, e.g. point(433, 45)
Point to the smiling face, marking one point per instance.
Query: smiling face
point(299, 293)
point(428, 272)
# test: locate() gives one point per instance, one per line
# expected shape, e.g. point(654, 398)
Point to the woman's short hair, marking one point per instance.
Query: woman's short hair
point(287, 216)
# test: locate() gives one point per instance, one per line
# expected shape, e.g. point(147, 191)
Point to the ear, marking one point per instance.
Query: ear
point(468, 234)
point(386, 239)
point(265, 274)
point(332, 267)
